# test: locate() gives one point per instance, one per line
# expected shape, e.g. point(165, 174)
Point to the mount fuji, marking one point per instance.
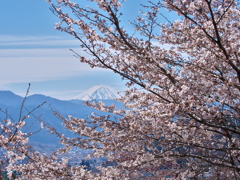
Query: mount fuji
point(101, 92)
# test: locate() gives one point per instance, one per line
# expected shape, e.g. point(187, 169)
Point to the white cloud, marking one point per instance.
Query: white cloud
point(39, 52)
point(29, 59)
point(9, 40)
point(31, 65)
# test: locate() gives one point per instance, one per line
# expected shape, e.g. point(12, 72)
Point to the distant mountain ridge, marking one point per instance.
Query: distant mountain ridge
point(101, 92)
point(12, 103)
point(8, 98)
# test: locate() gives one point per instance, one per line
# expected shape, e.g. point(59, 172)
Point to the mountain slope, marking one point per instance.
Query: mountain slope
point(10, 99)
point(76, 108)
point(98, 92)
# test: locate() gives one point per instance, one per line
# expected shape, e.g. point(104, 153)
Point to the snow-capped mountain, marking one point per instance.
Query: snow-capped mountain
point(98, 92)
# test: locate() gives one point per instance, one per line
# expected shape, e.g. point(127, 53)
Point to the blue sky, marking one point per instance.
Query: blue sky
point(32, 51)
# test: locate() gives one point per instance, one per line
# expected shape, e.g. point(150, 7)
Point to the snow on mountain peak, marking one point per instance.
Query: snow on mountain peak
point(98, 92)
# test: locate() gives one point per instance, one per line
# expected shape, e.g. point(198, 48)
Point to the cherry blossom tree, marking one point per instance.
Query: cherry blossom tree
point(182, 112)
